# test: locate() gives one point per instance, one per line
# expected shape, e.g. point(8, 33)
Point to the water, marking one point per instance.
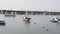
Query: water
point(15, 25)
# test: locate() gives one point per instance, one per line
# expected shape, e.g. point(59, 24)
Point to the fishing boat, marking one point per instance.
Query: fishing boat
point(26, 18)
point(55, 19)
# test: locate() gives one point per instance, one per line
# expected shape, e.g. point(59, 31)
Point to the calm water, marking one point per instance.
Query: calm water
point(15, 25)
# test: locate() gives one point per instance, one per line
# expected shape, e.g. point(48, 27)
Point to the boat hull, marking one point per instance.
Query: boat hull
point(2, 22)
point(53, 21)
point(28, 19)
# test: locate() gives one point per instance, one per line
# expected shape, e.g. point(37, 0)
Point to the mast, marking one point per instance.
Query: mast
point(26, 14)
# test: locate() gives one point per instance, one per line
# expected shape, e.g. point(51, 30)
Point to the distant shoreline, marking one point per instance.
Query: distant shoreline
point(29, 12)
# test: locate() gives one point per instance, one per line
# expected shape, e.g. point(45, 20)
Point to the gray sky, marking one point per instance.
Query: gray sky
point(36, 5)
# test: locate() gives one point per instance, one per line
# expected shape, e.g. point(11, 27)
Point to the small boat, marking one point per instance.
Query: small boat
point(2, 21)
point(55, 19)
point(10, 15)
point(26, 19)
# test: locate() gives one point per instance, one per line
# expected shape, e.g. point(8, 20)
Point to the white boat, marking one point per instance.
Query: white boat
point(10, 15)
point(55, 19)
point(26, 18)
point(2, 20)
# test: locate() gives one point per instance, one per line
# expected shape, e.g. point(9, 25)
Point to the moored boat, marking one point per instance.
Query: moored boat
point(2, 20)
point(10, 15)
point(26, 18)
point(55, 19)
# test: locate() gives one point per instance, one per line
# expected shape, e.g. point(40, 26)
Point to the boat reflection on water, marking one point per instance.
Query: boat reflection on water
point(27, 21)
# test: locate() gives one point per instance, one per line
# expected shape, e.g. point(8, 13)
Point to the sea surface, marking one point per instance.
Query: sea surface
point(39, 24)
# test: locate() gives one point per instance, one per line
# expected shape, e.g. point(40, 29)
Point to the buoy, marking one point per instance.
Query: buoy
point(47, 29)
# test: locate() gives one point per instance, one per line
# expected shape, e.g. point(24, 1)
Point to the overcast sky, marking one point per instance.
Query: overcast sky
point(36, 5)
